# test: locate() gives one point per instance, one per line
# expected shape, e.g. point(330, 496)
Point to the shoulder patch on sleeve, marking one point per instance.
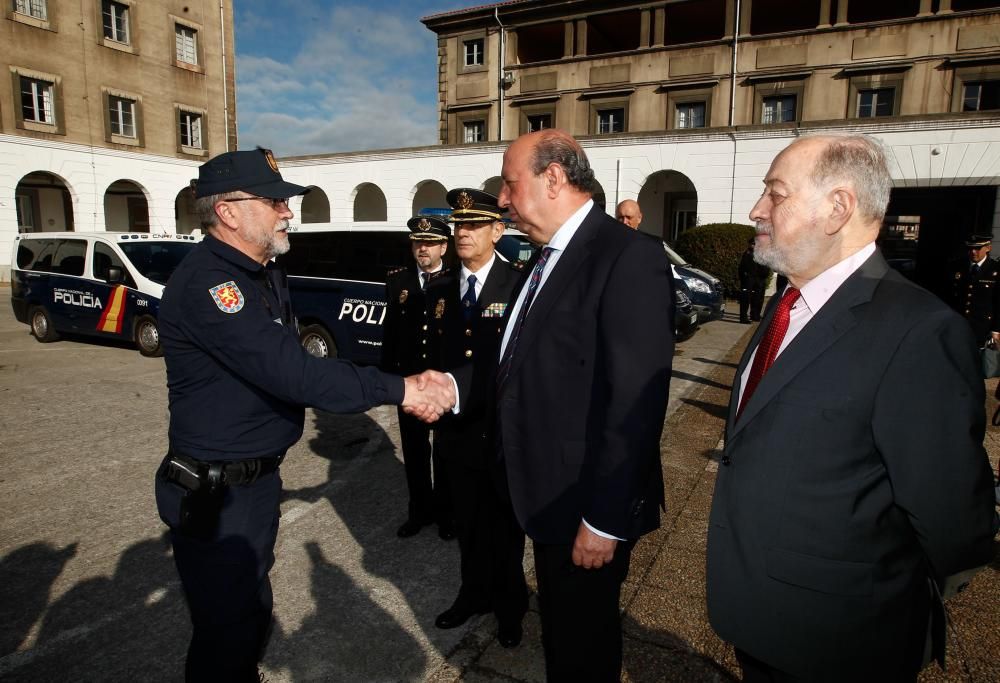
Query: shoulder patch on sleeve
point(228, 297)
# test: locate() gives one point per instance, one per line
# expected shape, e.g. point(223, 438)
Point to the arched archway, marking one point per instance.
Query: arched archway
point(493, 185)
point(126, 208)
point(429, 194)
point(315, 206)
point(44, 203)
point(669, 204)
point(185, 216)
point(369, 203)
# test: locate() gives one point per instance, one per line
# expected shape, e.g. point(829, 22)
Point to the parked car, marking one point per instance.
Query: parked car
point(685, 317)
point(103, 284)
point(705, 289)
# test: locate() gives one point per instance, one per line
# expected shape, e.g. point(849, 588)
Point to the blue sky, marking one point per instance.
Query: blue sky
point(317, 76)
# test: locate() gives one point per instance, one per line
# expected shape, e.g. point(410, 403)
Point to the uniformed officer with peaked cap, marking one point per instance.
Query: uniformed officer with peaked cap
point(404, 351)
point(238, 382)
point(976, 288)
point(466, 312)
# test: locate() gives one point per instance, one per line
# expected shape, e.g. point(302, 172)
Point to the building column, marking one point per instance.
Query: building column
point(659, 26)
point(581, 37)
point(644, 28)
point(824, 14)
point(568, 39)
point(730, 19)
point(841, 13)
point(746, 9)
point(944, 7)
point(925, 9)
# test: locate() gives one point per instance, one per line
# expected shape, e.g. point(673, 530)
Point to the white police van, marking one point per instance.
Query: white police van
point(103, 284)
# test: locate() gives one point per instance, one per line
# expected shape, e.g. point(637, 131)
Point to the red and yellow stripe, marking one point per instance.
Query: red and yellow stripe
point(114, 312)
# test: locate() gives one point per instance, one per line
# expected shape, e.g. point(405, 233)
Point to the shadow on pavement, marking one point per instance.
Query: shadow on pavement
point(678, 374)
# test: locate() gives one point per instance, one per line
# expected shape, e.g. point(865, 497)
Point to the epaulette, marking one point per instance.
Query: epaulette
point(393, 271)
point(440, 273)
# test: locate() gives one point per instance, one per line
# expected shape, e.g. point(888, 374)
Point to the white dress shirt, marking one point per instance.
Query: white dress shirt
point(812, 298)
point(481, 275)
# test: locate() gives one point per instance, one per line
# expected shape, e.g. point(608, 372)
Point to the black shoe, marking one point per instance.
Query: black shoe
point(410, 527)
point(509, 635)
point(446, 531)
point(456, 615)
point(744, 321)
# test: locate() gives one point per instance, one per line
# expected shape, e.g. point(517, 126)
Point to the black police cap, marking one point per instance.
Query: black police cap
point(253, 171)
point(428, 228)
point(978, 240)
point(469, 205)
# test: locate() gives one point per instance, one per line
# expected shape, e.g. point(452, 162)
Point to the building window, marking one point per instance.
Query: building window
point(186, 42)
point(475, 52)
point(122, 112)
point(778, 109)
point(610, 121)
point(473, 131)
point(874, 102)
point(32, 8)
point(539, 122)
point(190, 128)
point(25, 213)
point(690, 115)
point(37, 101)
point(981, 96)
point(115, 16)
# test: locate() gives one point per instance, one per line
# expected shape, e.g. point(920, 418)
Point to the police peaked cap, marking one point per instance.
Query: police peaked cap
point(428, 228)
point(473, 206)
point(978, 240)
point(254, 171)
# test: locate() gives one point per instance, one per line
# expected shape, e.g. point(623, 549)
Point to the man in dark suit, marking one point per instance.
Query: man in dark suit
point(582, 390)
point(466, 310)
point(753, 280)
point(404, 349)
point(975, 289)
point(854, 479)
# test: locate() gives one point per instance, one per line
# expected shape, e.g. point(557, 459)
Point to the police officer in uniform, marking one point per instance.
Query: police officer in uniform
point(466, 312)
point(753, 280)
point(238, 382)
point(404, 351)
point(976, 289)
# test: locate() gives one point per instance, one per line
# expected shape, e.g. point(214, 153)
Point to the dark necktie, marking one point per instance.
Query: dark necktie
point(533, 281)
point(767, 350)
point(974, 270)
point(423, 280)
point(469, 300)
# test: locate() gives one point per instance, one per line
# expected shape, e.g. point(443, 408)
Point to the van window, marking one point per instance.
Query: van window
point(156, 260)
point(70, 257)
point(31, 254)
point(365, 256)
point(104, 258)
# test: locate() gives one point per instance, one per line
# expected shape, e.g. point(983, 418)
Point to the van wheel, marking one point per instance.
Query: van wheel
point(41, 325)
point(147, 337)
point(317, 341)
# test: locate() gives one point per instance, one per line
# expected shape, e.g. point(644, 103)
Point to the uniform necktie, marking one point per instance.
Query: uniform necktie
point(974, 270)
point(469, 300)
point(423, 280)
point(533, 281)
point(767, 350)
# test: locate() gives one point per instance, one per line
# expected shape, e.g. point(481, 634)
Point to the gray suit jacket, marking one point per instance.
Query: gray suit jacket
point(854, 474)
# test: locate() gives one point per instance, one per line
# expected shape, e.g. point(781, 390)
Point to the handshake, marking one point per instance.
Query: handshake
point(429, 395)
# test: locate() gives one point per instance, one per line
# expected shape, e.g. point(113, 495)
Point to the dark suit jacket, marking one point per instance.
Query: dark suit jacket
point(457, 343)
point(855, 471)
point(581, 411)
point(404, 332)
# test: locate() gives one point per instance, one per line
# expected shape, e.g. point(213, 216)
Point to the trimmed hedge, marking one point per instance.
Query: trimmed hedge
point(716, 248)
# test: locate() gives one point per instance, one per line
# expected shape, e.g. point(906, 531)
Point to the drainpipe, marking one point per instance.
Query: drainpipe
point(618, 182)
point(501, 43)
point(225, 88)
point(732, 107)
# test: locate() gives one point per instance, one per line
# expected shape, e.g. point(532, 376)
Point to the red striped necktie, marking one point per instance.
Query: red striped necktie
point(767, 350)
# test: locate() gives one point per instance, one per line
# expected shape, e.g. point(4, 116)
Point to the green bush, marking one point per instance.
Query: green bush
point(717, 248)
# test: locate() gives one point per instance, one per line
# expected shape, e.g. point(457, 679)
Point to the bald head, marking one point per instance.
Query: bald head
point(628, 213)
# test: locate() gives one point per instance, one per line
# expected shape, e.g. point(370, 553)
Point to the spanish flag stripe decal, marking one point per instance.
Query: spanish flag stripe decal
point(113, 315)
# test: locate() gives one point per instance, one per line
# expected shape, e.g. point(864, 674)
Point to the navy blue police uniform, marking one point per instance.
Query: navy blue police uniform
point(238, 383)
point(404, 351)
point(491, 543)
point(975, 292)
point(753, 281)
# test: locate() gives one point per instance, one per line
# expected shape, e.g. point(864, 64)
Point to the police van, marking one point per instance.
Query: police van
point(102, 284)
point(336, 280)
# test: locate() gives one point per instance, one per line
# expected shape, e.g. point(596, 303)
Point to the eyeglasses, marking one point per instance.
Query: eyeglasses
point(274, 203)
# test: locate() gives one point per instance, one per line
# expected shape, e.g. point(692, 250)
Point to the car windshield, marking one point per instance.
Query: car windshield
point(674, 257)
point(515, 248)
point(156, 261)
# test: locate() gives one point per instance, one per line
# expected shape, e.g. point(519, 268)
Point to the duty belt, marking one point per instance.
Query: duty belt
point(195, 474)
